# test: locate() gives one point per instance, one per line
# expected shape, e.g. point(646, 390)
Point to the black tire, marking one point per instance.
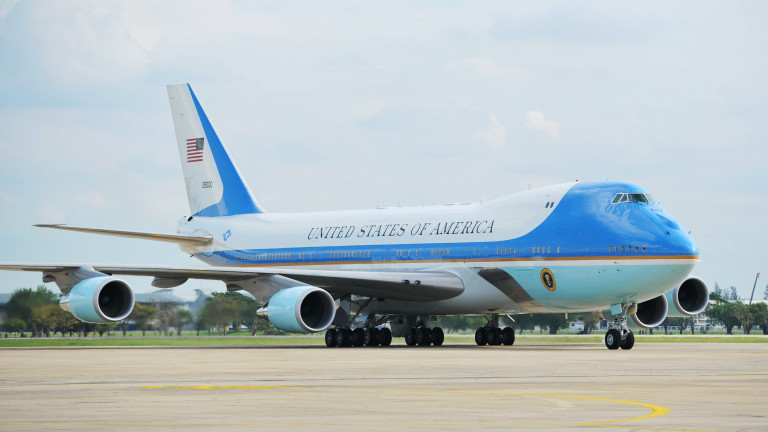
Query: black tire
point(423, 336)
point(343, 337)
point(385, 336)
point(438, 337)
point(508, 336)
point(358, 337)
point(371, 337)
point(481, 338)
point(612, 339)
point(330, 338)
point(410, 336)
point(494, 336)
point(629, 341)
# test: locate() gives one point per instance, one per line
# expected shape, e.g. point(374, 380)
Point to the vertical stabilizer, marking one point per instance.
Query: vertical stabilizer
point(214, 185)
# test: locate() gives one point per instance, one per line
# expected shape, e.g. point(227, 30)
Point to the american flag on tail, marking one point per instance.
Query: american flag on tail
point(195, 148)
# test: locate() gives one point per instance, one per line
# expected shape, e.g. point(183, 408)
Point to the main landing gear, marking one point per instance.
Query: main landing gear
point(492, 334)
point(619, 335)
point(343, 337)
point(415, 331)
point(420, 334)
point(424, 336)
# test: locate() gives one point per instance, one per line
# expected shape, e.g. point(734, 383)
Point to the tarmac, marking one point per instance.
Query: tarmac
point(533, 386)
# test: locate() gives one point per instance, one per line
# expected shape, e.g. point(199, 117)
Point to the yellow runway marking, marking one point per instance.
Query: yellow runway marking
point(656, 410)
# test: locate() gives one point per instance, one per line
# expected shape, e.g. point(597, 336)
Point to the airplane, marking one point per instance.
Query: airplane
point(366, 276)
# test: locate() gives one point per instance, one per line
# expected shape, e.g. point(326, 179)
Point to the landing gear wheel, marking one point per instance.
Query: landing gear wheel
point(612, 339)
point(629, 341)
point(358, 337)
point(343, 338)
point(410, 337)
point(385, 336)
point(508, 336)
point(371, 337)
point(481, 338)
point(494, 336)
point(330, 338)
point(423, 336)
point(437, 336)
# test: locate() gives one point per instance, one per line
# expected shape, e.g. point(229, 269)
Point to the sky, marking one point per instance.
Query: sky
point(341, 105)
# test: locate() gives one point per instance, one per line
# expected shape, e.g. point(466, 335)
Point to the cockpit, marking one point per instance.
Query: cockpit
point(642, 198)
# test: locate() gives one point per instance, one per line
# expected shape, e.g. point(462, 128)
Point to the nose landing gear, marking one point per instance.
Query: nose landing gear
point(619, 335)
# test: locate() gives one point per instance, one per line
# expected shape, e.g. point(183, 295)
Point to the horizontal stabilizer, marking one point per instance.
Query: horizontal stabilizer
point(169, 238)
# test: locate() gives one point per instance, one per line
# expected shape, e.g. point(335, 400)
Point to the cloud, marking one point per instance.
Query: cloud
point(535, 120)
point(496, 135)
point(388, 96)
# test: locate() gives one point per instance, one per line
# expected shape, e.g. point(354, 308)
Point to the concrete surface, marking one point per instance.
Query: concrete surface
point(655, 386)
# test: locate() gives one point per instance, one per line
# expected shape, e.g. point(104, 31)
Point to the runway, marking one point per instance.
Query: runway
point(558, 387)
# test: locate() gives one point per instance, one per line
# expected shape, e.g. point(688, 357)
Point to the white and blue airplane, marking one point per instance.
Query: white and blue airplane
point(365, 276)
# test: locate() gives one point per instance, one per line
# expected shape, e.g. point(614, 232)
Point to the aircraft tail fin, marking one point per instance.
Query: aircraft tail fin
point(214, 185)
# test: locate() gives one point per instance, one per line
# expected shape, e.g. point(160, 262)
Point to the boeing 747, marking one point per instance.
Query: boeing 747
point(365, 276)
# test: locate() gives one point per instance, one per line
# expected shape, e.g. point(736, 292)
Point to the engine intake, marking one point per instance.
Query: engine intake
point(651, 313)
point(99, 300)
point(301, 309)
point(690, 297)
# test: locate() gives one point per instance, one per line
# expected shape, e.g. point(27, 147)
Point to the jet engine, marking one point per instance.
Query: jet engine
point(301, 309)
point(650, 313)
point(99, 300)
point(690, 298)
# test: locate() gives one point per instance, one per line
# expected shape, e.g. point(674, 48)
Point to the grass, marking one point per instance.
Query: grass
point(170, 341)
point(247, 340)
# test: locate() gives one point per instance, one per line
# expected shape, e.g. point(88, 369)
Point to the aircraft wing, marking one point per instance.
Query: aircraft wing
point(428, 285)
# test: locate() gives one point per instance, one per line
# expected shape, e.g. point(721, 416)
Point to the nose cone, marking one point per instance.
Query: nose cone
point(686, 244)
point(674, 238)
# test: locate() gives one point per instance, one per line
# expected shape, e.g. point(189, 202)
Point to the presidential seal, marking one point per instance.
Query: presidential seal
point(548, 279)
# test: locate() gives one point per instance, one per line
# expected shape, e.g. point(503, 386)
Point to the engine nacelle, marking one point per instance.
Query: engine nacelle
point(301, 309)
point(690, 298)
point(651, 313)
point(99, 300)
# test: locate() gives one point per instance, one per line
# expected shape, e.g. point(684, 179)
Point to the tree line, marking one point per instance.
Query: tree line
point(37, 311)
point(726, 309)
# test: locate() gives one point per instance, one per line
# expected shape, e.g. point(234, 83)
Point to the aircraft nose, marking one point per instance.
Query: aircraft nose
point(691, 247)
point(681, 242)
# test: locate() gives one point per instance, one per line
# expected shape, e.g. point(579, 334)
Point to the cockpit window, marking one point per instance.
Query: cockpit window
point(642, 198)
